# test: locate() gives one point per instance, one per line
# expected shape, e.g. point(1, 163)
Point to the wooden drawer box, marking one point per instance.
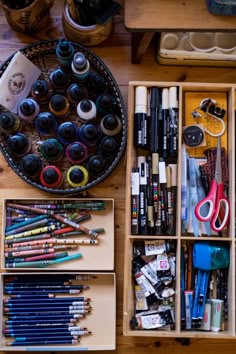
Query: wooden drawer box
point(190, 97)
point(95, 257)
point(101, 292)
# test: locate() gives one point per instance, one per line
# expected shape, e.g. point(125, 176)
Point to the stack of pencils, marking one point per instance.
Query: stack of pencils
point(38, 235)
point(45, 309)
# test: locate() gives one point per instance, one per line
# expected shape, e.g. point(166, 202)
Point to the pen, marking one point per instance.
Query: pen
point(163, 198)
point(142, 195)
point(169, 197)
point(154, 106)
point(134, 202)
point(173, 122)
point(150, 209)
point(155, 192)
point(172, 219)
point(165, 119)
point(140, 117)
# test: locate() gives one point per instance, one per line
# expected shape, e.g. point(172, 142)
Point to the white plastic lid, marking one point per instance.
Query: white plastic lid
point(173, 102)
point(165, 98)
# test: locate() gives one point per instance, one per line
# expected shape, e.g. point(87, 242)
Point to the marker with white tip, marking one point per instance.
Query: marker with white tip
point(165, 122)
point(173, 121)
point(140, 118)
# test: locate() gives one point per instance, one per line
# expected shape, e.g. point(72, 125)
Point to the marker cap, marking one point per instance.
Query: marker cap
point(141, 99)
point(162, 171)
point(165, 98)
point(173, 102)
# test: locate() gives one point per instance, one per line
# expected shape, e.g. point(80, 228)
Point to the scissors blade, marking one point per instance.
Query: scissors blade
point(218, 168)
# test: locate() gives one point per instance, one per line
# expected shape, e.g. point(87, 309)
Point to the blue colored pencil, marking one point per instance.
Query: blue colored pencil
point(39, 322)
point(43, 341)
point(25, 317)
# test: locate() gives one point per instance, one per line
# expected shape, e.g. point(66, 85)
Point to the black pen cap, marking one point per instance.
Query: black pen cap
point(155, 97)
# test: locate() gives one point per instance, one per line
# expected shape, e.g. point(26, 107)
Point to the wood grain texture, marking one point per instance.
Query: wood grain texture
point(174, 15)
point(116, 54)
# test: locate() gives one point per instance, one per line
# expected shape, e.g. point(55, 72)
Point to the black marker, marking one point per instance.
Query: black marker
point(142, 195)
point(163, 197)
point(154, 106)
point(134, 202)
point(173, 121)
point(150, 208)
point(172, 216)
point(165, 120)
point(140, 117)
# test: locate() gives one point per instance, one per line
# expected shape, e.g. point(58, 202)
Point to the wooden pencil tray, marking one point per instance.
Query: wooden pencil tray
point(102, 292)
point(228, 141)
point(97, 257)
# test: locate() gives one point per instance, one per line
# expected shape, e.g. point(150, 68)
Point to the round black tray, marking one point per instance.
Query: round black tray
point(43, 55)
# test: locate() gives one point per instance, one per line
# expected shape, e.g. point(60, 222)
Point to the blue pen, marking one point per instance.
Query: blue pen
point(202, 294)
point(198, 280)
point(193, 196)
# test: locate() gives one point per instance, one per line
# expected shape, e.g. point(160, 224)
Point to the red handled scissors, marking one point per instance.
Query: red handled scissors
point(216, 199)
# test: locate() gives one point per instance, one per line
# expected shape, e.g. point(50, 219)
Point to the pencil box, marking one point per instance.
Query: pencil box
point(101, 292)
point(27, 245)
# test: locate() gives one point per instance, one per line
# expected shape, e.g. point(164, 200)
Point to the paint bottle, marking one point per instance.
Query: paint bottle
point(95, 165)
point(9, 123)
point(80, 67)
point(89, 134)
point(110, 124)
point(96, 85)
point(105, 104)
point(51, 177)
point(86, 110)
point(59, 80)
point(76, 93)
point(59, 106)
point(18, 144)
point(31, 165)
point(28, 109)
point(67, 133)
point(77, 176)
point(41, 92)
point(51, 150)
point(65, 52)
point(76, 152)
point(46, 124)
point(108, 146)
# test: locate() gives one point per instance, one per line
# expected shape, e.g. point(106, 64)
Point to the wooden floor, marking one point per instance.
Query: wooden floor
point(116, 53)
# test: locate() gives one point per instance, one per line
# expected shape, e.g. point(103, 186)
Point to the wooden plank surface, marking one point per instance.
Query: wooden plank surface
point(177, 15)
point(116, 53)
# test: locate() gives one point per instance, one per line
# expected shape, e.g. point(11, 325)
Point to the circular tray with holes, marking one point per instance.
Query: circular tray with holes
point(43, 55)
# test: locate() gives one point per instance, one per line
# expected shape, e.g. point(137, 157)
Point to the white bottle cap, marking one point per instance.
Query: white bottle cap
point(141, 99)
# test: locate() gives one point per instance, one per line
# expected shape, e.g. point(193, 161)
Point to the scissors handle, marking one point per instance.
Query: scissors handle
point(210, 200)
point(220, 217)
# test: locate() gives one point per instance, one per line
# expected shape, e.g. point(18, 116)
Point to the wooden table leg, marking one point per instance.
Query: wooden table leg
point(139, 44)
